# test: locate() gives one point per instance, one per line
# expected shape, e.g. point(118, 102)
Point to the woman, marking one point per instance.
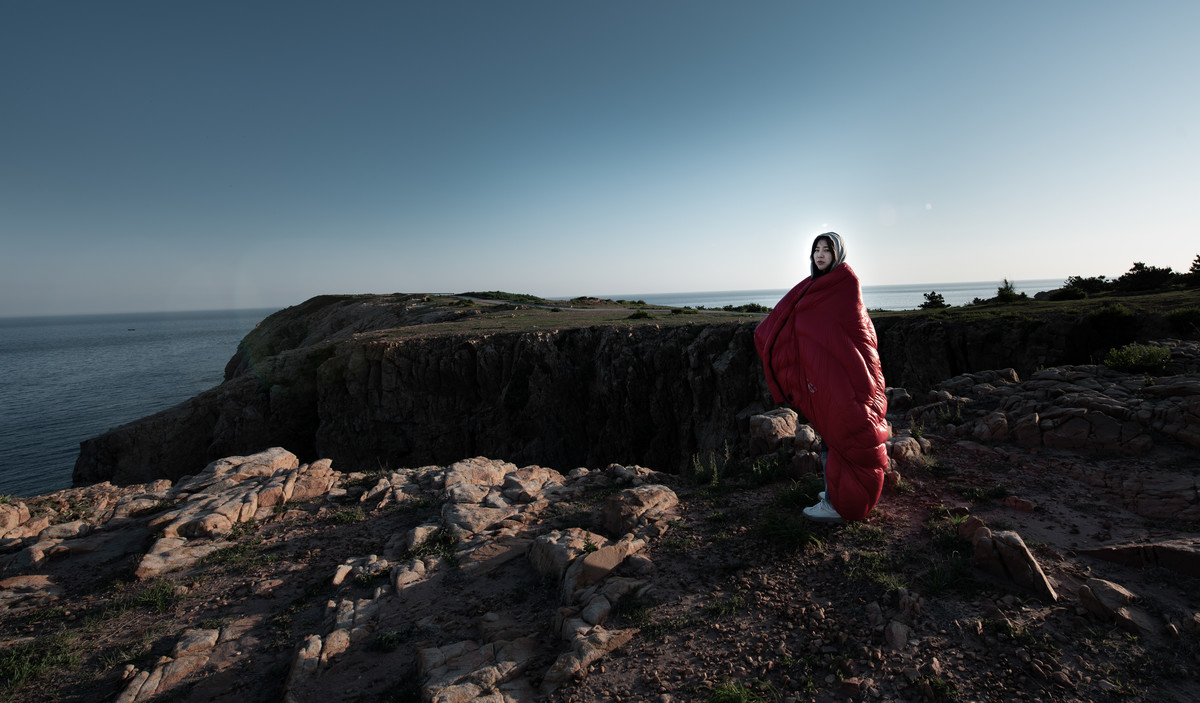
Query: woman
point(820, 356)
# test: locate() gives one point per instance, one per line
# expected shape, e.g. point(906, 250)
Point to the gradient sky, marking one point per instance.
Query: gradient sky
point(203, 155)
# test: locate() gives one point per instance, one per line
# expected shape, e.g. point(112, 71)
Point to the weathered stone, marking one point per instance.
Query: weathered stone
point(625, 511)
point(992, 428)
point(593, 566)
point(479, 471)
point(1181, 556)
point(472, 519)
point(1005, 554)
point(551, 553)
point(896, 634)
point(527, 484)
point(585, 649)
point(769, 430)
point(193, 641)
point(1104, 598)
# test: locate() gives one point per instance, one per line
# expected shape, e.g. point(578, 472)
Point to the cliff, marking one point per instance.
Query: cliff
point(405, 381)
point(392, 381)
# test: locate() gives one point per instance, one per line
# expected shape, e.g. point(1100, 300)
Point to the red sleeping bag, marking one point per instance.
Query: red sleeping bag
point(819, 353)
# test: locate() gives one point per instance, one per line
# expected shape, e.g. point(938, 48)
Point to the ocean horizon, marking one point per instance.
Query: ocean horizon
point(908, 296)
point(72, 377)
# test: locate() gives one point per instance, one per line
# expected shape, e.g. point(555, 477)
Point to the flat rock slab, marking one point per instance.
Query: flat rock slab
point(1181, 556)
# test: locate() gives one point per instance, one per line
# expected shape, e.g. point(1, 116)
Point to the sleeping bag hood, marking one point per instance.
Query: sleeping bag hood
point(819, 354)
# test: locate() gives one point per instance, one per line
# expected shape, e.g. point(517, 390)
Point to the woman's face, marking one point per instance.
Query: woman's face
point(822, 255)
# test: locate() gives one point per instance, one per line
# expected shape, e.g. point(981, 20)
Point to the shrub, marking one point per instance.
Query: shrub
point(1068, 293)
point(1192, 278)
point(1185, 321)
point(1114, 324)
point(1007, 293)
point(1091, 285)
point(1138, 358)
point(748, 307)
point(933, 301)
point(641, 315)
point(1141, 277)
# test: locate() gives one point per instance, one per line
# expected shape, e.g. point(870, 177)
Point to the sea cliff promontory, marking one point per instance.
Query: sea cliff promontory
point(1035, 540)
point(406, 380)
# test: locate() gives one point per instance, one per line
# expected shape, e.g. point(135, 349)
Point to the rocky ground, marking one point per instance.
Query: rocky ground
point(1037, 540)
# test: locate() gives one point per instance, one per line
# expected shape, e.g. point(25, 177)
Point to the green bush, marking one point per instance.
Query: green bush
point(1138, 358)
point(1185, 321)
point(1068, 293)
point(1141, 277)
point(1007, 293)
point(749, 307)
point(641, 315)
point(934, 301)
point(1090, 285)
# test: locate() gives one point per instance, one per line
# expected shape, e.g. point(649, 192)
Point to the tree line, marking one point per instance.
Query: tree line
point(1140, 278)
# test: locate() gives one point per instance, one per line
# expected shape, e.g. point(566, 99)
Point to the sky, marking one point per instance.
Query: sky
point(213, 155)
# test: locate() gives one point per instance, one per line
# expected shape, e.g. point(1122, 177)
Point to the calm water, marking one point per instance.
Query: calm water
point(69, 378)
point(906, 297)
point(66, 379)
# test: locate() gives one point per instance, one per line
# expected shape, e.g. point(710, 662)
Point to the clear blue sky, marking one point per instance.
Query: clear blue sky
point(197, 155)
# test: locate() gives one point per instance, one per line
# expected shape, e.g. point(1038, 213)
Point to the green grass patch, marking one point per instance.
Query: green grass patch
point(348, 516)
point(979, 495)
point(29, 661)
point(522, 298)
point(787, 531)
point(240, 558)
point(441, 543)
point(751, 691)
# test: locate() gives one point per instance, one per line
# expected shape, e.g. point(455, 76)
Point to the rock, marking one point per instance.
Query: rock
point(1005, 555)
point(551, 553)
point(586, 647)
point(898, 399)
point(65, 530)
point(28, 590)
point(905, 449)
point(806, 438)
point(469, 519)
point(171, 553)
point(528, 484)
point(1180, 555)
point(596, 611)
point(594, 566)
point(896, 635)
point(1113, 602)
point(992, 428)
point(770, 430)
point(1022, 504)
point(1103, 598)
point(624, 512)
point(968, 527)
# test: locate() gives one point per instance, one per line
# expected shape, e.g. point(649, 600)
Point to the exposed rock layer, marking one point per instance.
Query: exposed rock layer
point(314, 379)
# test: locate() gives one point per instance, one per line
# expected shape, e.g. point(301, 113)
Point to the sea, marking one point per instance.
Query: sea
point(64, 379)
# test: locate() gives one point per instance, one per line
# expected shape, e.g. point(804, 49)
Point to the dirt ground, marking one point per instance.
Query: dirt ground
point(748, 603)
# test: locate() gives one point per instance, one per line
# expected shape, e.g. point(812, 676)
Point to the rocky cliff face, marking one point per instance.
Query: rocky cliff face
point(312, 380)
point(920, 350)
point(325, 380)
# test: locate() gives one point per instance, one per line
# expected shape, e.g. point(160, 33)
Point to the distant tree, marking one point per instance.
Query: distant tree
point(1091, 286)
point(933, 301)
point(1141, 277)
point(1007, 293)
point(1192, 278)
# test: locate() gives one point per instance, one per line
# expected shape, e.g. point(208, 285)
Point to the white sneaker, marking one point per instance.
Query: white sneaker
point(822, 512)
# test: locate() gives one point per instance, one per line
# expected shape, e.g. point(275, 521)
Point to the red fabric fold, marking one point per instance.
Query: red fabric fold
point(820, 356)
